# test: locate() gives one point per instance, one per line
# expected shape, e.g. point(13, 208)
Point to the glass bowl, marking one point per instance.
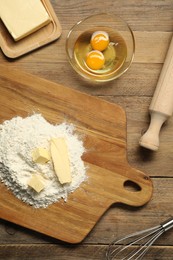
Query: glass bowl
point(118, 55)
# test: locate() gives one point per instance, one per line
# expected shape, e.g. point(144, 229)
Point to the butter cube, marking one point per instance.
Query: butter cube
point(40, 155)
point(23, 17)
point(60, 158)
point(36, 182)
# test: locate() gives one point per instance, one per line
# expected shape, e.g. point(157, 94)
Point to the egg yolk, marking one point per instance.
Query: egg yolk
point(99, 40)
point(95, 60)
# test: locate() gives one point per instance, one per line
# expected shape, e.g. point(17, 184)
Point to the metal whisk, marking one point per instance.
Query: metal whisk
point(135, 246)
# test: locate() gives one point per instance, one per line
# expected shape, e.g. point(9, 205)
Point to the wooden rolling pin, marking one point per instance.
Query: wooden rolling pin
point(161, 107)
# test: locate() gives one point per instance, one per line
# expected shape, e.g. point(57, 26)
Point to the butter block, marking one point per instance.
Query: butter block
point(36, 182)
point(60, 158)
point(23, 17)
point(40, 155)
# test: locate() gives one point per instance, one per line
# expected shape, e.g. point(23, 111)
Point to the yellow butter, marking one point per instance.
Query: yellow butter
point(23, 17)
point(36, 182)
point(40, 155)
point(60, 158)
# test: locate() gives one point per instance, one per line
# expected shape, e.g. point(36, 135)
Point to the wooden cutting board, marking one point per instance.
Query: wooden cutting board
point(103, 127)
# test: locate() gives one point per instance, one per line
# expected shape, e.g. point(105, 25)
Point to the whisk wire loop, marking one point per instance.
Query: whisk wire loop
point(134, 246)
point(126, 243)
point(145, 247)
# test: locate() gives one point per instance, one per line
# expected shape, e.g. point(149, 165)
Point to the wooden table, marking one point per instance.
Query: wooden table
point(152, 24)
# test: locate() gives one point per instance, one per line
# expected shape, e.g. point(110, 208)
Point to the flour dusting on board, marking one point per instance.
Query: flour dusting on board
point(19, 137)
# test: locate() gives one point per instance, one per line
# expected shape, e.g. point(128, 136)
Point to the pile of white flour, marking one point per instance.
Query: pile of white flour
point(18, 138)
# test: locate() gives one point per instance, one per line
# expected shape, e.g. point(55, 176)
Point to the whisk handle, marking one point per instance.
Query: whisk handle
point(168, 224)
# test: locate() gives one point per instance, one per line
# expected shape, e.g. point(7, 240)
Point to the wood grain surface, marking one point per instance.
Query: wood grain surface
point(152, 24)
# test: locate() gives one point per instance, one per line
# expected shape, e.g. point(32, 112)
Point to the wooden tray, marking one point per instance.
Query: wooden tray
point(43, 36)
point(103, 126)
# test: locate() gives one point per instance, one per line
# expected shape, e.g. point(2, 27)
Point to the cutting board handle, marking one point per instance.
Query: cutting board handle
point(136, 188)
point(130, 186)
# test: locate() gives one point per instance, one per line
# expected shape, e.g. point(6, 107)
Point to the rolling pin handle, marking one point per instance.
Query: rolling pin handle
point(150, 139)
point(161, 107)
